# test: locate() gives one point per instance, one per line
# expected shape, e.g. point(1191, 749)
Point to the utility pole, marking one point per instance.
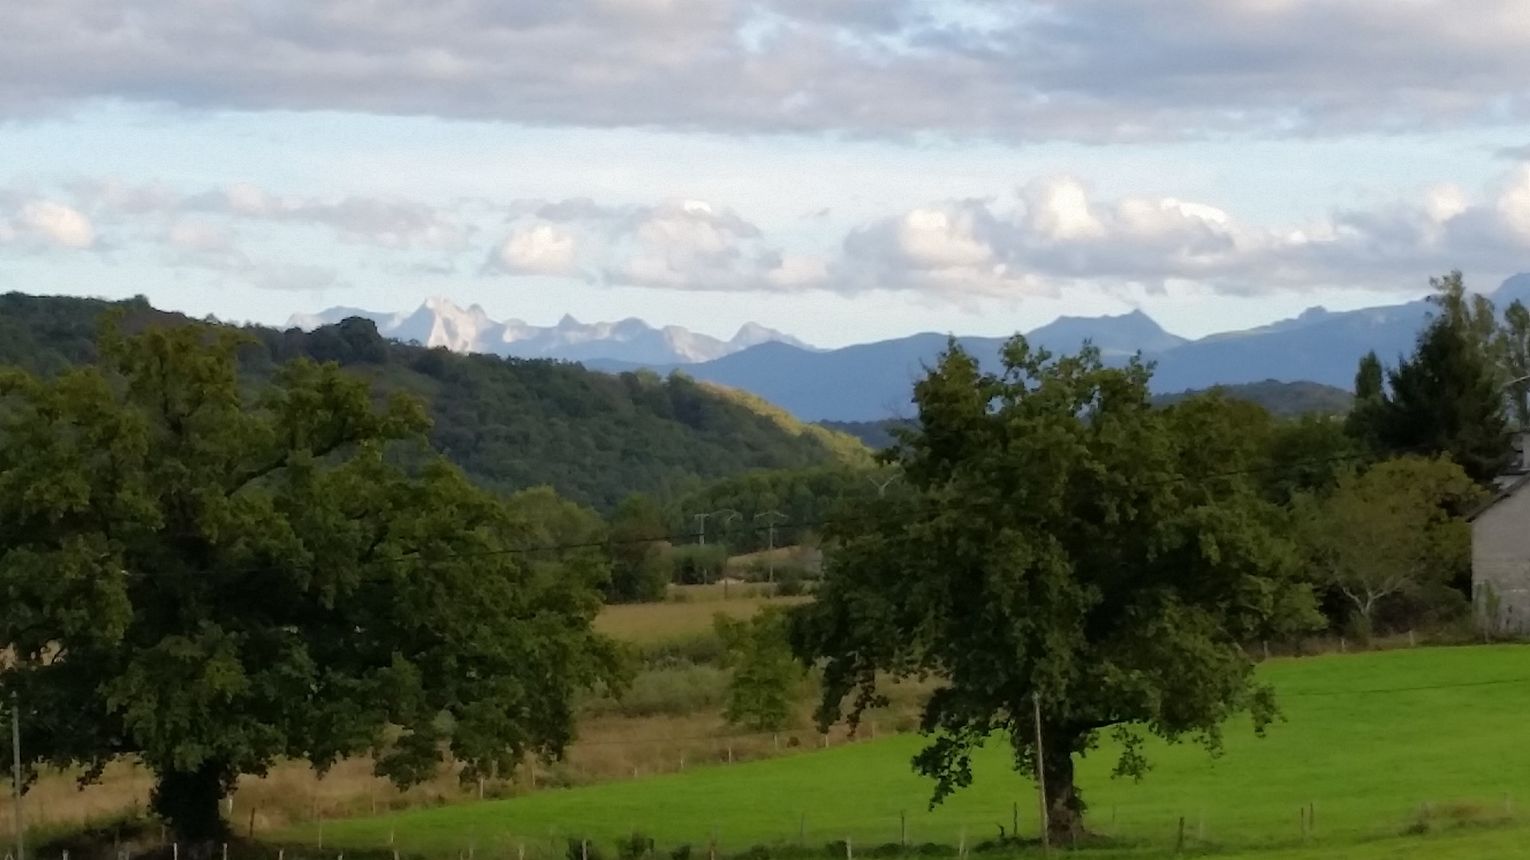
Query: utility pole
point(1041, 779)
point(728, 515)
point(21, 827)
point(771, 518)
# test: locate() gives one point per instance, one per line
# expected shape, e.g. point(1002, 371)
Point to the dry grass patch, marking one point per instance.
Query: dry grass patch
point(643, 623)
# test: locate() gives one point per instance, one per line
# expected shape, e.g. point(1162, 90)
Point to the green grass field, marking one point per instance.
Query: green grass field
point(1370, 740)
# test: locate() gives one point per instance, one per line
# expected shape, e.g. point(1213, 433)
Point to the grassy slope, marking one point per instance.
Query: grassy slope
point(1365, 742)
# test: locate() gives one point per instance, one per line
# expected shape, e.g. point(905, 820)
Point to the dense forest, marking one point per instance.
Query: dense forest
point(1280, 399)
point(509, 423)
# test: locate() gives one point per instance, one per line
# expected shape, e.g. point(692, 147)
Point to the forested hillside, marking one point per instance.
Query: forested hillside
point(509, 423)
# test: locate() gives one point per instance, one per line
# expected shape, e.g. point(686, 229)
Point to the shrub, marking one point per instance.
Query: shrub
point(683, 689)
point(701, 649)
point(634, 847)
point(698, 565)
point(580, 848)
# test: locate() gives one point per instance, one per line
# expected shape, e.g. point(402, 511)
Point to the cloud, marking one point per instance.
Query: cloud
point(48, 223)
point(1033, 69)
point(536, 249)
point(295, 278)
point(384, 222)
point(1052, 235)
point(388, 223)
point(679, 244)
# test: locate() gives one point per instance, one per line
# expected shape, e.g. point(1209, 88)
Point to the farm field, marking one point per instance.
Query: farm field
point(1373, 742)
point(646, 623)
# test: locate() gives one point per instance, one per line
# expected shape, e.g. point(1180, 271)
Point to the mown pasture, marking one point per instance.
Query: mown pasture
point(1419, 753)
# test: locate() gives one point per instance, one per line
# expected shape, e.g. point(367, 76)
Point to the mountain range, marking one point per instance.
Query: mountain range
point(439, 322)
point(873, 381)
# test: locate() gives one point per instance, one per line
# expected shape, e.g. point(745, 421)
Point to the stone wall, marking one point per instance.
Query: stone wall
point(1501, 565)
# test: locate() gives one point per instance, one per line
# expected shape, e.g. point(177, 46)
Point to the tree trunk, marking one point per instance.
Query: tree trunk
point(1065, 808)
point(189, 802)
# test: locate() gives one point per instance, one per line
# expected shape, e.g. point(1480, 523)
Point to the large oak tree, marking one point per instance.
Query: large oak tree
point(211, 575)
point(1058, 543)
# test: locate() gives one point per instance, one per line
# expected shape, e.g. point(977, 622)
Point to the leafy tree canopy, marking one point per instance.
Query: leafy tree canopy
point(1449, 396)
point(1062, 544)
point(765, 679)
point(212, 576)
point(1390, 530)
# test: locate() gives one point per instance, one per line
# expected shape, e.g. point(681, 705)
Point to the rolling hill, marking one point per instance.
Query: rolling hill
point(509, 423)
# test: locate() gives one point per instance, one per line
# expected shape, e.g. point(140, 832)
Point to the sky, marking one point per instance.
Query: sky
point(843, 170)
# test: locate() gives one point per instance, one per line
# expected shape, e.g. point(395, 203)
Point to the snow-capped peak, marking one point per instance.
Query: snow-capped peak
point(441, 322)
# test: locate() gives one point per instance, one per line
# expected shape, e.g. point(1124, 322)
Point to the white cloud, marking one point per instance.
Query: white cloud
point(679, 244)
point(40, 223)
point(1052, 236)
point(1514, 202)
point(1031, 69)
point(536, 249)
point(197, 236)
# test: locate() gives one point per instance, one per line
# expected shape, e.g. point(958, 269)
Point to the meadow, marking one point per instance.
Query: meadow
point(671, 714)
point(1418, 753)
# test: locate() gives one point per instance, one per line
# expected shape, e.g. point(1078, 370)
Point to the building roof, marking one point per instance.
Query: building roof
point(1504, 486)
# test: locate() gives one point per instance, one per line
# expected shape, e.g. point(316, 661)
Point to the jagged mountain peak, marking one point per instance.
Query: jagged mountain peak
point(439, 321)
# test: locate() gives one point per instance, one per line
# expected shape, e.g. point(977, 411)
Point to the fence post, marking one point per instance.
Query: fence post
point(903, 828)
point(802, 827)
point(1179, 843)
point(961, 844)
point(849, 850)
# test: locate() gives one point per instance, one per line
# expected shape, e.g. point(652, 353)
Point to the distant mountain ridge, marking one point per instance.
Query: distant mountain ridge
point(440, 322)
point(874, 381)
